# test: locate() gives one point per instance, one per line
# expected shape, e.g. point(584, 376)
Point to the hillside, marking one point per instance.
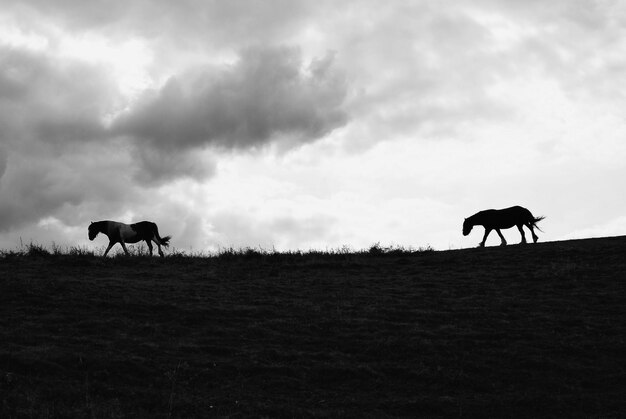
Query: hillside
point(520, 331)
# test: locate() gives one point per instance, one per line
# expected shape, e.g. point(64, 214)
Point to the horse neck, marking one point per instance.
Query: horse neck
point(475, 219)
point(102, 227)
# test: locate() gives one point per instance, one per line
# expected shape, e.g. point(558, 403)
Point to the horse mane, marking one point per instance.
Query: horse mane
point(97, 225)
point(471, 218)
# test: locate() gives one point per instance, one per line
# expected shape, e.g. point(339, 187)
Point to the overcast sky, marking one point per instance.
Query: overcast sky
point(293, 124)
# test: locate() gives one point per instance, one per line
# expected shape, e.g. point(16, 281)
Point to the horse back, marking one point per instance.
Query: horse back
point(144, 230)
point(519, 213)
point(504, 218)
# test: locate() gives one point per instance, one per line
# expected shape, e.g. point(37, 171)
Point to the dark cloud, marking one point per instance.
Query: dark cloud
point(3, 162)
point(36, 185)
point(56, 158)
point(268, 93)
point(157, 167)
point(51, 114)
point(53, 101)
point(31, 191)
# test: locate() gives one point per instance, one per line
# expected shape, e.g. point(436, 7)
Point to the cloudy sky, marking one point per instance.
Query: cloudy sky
point(299, 124)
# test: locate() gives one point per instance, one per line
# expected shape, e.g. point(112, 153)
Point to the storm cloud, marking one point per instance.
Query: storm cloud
point(48, 100)
point(267, 93)
point(52, 116)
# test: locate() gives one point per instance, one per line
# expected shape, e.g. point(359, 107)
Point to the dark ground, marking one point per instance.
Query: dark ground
point(521, 331)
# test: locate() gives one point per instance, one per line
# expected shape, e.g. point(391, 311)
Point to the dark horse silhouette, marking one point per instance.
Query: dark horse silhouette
point(493, 219)
point(129, 233)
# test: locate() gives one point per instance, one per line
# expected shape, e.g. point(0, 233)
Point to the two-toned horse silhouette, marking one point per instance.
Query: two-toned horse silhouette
point(501, 219)
point(129, 233)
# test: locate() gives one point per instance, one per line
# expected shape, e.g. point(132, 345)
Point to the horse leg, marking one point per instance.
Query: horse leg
point(125, 249)
point(111, 243)
point(535, 238)
point(487, 231)
point(149, 243)
point(501, 237)
point(520, 227)
point(159, 248)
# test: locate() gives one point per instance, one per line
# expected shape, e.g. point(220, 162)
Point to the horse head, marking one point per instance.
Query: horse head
point(467, 227)
point(93, 231)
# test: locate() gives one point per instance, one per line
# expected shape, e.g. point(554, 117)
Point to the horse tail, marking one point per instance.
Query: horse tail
point(536, 220)
point(164, 241)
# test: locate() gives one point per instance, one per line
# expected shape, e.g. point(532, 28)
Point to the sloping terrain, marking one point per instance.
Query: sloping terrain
point(519, 331)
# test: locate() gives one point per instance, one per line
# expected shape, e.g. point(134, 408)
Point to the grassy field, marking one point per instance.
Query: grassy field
point(520, 331)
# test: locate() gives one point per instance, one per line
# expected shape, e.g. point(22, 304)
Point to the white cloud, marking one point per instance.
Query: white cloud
point(128, 60)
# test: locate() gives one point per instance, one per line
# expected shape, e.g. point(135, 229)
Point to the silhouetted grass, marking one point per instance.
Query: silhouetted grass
point(139, 250)
point(520, 331)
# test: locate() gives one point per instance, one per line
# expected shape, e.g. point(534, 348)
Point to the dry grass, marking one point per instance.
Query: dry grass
point(521, 331)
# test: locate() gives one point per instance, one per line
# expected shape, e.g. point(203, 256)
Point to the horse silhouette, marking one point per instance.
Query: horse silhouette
point(493, 219)
point(129, 233)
